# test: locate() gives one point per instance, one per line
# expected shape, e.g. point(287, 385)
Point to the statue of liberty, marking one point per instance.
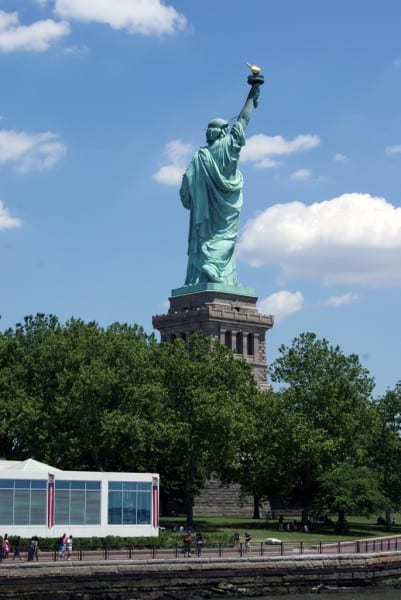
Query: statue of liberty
point(212, 191)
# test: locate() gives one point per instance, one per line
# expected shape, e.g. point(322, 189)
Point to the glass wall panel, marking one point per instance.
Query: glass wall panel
point(38, 507)
point(143, 508)
point(115, 508)
point(129, 508)
point(23, 501)
point(78, 485)
point(24, 484)
point(62, 485)
point(7, 483)
point(129, 502)
point(21, 507)
point(6, 507)
point(115, 485)
point(93, 485)
point(38, 484)
point(92, 508)
point(62, 507)
point(77, 503)
point(145, 486)
point(77, 514)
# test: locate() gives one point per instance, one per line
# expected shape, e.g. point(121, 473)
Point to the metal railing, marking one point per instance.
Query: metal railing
point(257, 549)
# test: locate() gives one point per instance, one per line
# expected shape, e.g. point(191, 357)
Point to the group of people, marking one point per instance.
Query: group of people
point(187, 541)
point(64, 546)
point(14, 547)
point(199, 541)
point(247, 540)
point(7, 547)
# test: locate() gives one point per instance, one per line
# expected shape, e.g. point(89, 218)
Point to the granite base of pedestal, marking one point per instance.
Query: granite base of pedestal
point(230, 317)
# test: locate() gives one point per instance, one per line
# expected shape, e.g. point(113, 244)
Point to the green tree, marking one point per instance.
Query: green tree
point(327, 396)
point(386, 449)
point(264, 452)
point(209, 392)
point(79, 396)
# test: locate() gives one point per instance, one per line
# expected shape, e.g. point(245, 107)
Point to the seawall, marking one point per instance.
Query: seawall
point(194, 578)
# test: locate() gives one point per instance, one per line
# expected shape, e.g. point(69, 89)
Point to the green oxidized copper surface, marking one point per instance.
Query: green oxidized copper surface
point(212, 191)
point(238, 290)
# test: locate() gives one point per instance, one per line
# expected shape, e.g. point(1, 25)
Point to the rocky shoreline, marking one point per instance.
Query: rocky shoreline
point(203, 578)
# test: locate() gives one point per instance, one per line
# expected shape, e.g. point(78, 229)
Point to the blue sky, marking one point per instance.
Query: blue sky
point(103, 103)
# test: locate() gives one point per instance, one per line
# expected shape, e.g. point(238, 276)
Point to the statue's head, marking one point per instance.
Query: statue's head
point(216, 129)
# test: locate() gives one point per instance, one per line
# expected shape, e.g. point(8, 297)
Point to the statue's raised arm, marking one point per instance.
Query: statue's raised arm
point(255, 81)
point(212, 190)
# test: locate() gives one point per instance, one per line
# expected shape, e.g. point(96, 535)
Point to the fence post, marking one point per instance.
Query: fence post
point(220, 550)
point(301, 547)
point(54, 554)
point(261, 548)
point(240, 549)
point(129, 552)
point(105, 553)
point(81, 554)
point(281, 548)
point(176, 550)
point(358, 547)
point(320, 547)
point(153, 551)
point(339, 547)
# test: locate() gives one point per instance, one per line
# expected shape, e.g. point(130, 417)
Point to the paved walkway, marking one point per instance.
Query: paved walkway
point(257, 550)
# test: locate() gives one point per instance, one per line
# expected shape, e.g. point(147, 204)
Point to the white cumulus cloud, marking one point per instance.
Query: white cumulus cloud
point(337, 301)
point(281, 304)
point(301, 175)
point(30, 152)
point(6, 220)
point(354, 238)
point(37, 36)
point(178, 154)
point(392, 150)
point(146, 17)
point(339, 157)
point(261, 148)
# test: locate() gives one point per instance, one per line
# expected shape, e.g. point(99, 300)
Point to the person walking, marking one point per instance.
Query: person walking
point(187, 544)
point(61, 544)
point(5, 546)
point(33, 548)
point(68, 547)
point(248, 538)
point(16, 546)
point(199, 543)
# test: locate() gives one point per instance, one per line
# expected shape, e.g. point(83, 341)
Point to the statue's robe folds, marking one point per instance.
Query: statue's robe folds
point(212, 190)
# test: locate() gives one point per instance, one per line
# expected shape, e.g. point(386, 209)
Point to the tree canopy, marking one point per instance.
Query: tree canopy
point(80, 396)
point(327, 399)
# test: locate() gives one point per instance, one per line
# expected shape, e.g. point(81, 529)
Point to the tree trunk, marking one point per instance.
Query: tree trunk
point(256, 507)
point(189, 497)
point(388, 520)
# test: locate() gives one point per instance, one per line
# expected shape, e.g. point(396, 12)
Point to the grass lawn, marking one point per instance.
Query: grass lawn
point(221, 530)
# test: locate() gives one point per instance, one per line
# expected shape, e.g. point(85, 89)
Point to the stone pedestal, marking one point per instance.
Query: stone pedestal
point(227, 314)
